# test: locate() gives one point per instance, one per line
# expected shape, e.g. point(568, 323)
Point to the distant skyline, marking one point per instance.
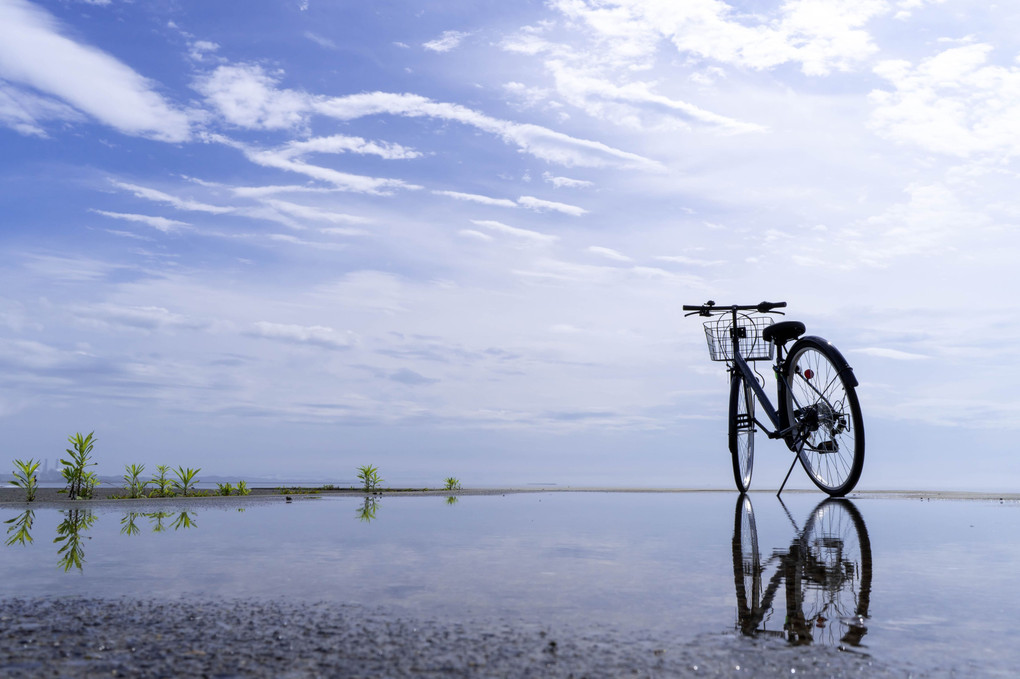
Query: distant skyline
point(287, 238)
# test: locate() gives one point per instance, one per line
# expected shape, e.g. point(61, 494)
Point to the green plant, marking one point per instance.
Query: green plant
point(157, 520)
point(21, 526)
point(134, 484)
point(185, 481)
point(242, 488)
point(224, 488)
point(369, 476)
point(162, 483)
point(452, 483)
point(80, 482)
point(25, 477)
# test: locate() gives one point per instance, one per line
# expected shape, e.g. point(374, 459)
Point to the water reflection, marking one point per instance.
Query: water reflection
point(20, 528)
point(367, 511)
point(825, 573)
point(71, 530)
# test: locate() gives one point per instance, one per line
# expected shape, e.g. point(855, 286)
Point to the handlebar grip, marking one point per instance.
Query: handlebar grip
point(765, 307)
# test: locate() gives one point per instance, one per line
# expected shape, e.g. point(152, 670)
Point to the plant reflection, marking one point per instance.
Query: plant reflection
point(826, 572)
point(21, 526)
point(452, 500)
point(367, 511)
point(69, 533)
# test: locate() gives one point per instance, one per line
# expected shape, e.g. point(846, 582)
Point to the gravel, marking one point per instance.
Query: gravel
point(76, 637)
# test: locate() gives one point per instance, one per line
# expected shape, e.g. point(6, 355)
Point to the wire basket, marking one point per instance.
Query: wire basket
point(719, 334)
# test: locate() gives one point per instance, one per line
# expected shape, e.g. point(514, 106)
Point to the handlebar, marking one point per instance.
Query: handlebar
point(710, 307)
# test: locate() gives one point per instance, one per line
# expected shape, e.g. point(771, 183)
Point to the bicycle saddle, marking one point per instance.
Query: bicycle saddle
point(784, 331)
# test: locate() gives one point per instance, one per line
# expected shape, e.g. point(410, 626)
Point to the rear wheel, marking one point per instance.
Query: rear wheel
point(741, 431)
point(823, 405)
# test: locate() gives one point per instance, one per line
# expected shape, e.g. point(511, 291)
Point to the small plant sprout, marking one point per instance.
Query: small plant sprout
point(452, 483)
point(367, 512)
point(25, 477)
point(161, 482)
point(185, 482)
point(369, 476)
point(242, 488)
point(224, 488)
point(133, 482)
point(80, 481)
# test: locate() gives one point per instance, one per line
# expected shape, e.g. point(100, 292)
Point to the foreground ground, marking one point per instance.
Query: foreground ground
point(43, 637)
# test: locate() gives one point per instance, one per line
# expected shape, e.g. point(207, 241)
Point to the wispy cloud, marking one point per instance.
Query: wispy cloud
point(540, 205)
point(315, 335)
point(161, 223)
point(35, 53)
point(894, 354)
point(475, 198)
point(609, 253)
point(525, 234)
point(449, 40)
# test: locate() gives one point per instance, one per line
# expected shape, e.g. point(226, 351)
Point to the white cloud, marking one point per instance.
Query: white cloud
point(282, 159)
point(539, 141)
point(35, 54)
point(561, 182)
point(449, 40)
point(246, 96)
point(525, 234)
point(953, 103)
point(475, 198)
point(342, 144)
point(540, 205)
point(609, 253)
point(894, 354)
point(161, 223)
point(180, 203)
point(820, 35)
point(25, 112)
point(315, 335)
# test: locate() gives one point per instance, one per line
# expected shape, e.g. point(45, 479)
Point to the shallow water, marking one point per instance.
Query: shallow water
point(930, 584)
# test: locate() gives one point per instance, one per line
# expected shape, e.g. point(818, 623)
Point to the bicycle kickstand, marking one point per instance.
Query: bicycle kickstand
point(780, 492)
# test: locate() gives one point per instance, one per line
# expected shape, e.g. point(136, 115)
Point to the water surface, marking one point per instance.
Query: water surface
point(931, 584)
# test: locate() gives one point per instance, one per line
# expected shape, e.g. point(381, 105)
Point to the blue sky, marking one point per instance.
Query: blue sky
point(453, 238)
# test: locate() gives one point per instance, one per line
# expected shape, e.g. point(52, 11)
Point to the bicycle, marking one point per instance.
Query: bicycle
point(818, 414)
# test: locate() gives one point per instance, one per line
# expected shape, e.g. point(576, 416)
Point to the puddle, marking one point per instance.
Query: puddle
point(931, 584)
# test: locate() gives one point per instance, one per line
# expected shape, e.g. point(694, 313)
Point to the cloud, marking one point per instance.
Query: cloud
point(449, 40)
point(894, 354)
point(138, 317)
point(820, 35)
point(315, 335)
point(474, 198)
point(540, 205)
point(283, 159)
point(609, 253)
point(410, 377)
point(514, 231)
point(246, 96)
point(180, 203)
point(25, 112)
point(538, 141)
point(342, 144)
point(561, 182)
point(953, 103)
point(34, 54)
point(161, 223)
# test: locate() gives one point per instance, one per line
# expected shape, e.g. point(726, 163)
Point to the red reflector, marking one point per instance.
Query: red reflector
point(809, 373)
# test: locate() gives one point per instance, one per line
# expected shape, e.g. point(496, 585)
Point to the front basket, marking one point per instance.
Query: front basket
point(719, 334)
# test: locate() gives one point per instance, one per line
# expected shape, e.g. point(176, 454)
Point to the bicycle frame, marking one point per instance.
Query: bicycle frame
point(751, 379)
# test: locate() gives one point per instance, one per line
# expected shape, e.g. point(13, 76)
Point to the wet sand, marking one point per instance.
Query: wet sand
point(131, 638)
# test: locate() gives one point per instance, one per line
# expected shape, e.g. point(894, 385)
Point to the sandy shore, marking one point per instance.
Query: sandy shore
point(130, 638)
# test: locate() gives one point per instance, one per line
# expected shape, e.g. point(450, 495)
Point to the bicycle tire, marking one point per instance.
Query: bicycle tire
point(822, 402)
point(747, 566)
point(741, 432)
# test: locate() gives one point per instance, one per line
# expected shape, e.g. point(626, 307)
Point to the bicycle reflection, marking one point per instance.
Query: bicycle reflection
point(825, 572)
